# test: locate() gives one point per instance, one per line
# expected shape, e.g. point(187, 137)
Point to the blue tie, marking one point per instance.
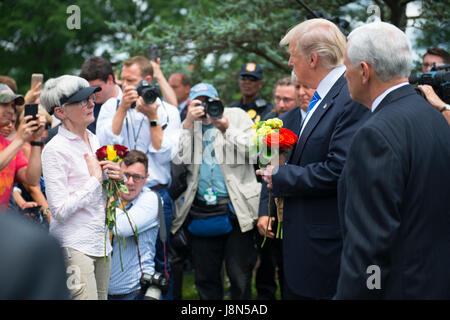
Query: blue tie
point(313, 102)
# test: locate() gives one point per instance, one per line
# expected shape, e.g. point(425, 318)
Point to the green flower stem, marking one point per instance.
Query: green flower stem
point(268, 221)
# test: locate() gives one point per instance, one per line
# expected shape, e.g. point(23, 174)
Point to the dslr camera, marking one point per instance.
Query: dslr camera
point(213, 107)
point(147, 91)
point(438, 78)
point(154, 285)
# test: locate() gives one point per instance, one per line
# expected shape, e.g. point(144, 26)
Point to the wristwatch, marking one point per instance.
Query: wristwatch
point(154, 123)
point(446, 107)
point(37, 143)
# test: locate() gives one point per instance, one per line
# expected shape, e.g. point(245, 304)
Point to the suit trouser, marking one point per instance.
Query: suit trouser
point(239, 253)
point(87, 276)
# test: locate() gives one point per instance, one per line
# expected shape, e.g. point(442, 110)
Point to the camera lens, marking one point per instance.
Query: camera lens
point(149, 95)
point(214, 108)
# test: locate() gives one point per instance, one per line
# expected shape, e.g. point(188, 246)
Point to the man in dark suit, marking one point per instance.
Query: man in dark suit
point(308, 182)
point(393, 192)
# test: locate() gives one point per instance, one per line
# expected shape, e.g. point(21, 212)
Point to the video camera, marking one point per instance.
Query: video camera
point(154, 285)
point(147, 91)
point(213, 107)
point(438, 78)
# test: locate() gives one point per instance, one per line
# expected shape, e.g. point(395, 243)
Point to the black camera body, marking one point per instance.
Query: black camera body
point(213, 107)
point(438, 78)
point(147, 91)
point(154, 285)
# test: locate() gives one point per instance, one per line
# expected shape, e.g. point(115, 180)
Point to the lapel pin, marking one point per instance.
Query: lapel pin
point(326, 105)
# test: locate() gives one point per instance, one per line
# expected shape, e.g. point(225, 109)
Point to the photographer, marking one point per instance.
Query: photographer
point(14, 167)
point(221, 198)
point(435, 57)
point(151, 126)
point(142, 206)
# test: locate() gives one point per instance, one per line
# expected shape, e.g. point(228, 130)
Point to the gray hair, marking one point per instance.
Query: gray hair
point(57, 88)
point(384, 46)
point(318, 36)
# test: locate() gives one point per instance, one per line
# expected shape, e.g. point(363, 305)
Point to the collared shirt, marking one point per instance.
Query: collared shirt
point(135, 134)
point(323, 88)
point(76, 199)
point(210, 173)
point(143, 213)
point(380, 98)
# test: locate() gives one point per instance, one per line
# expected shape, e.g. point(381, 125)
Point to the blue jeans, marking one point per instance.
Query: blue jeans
point(137, 295)
point(162, 259)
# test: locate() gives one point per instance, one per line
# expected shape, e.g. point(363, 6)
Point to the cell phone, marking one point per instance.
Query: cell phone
point(153, 53)
point(35, 78)
point(31, 109)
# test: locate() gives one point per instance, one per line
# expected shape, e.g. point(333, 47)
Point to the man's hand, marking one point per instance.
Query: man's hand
point(262, 226)
point(432, 97)
point(130, 95)
point(266, 175)
point(195, 112)
point(222, 124)
point(33, 94)
point(149, 110)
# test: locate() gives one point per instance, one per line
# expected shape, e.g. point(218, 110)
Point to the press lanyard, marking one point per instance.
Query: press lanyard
point(135, 136)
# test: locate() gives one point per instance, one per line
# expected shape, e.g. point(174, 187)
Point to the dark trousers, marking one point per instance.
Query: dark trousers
point(239, 253)
point(162, 264)
point(270, 259)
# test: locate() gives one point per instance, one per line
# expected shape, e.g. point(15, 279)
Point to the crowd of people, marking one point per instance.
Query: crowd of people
point(364, 188)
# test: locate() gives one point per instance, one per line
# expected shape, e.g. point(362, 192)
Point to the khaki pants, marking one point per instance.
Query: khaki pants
point(87, 276)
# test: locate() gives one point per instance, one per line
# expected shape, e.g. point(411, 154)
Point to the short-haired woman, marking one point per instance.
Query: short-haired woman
point(73, 178)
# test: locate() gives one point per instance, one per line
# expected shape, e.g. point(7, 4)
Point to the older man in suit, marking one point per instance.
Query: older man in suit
point(312, 239)
point(393, 192)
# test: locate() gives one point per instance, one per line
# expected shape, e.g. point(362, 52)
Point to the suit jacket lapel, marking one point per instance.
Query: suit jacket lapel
point(321, 109)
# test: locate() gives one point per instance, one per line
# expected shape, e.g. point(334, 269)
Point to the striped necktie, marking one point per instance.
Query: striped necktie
point(315, 98)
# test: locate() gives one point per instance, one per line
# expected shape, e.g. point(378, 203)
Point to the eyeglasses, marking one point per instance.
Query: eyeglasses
point(285, 100)
point(136, 177)
point(248, 77)
point(83, 103)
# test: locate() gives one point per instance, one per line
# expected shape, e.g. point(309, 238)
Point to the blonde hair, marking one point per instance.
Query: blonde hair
point(318, 36)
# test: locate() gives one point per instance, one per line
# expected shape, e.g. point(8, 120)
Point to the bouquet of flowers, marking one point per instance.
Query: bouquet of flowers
point(114, 153)
point(272, 143)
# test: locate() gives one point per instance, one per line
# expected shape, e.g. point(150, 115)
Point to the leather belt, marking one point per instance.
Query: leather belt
point(202, 203)
point(158, 187)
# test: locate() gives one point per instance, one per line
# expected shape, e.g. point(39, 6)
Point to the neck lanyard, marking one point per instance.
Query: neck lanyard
point(135, 136)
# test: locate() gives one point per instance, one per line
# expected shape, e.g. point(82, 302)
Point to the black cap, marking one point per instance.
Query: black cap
point(80, 95)
point(251, 69)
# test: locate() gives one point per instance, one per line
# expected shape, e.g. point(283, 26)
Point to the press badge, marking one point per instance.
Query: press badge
point(210, 196)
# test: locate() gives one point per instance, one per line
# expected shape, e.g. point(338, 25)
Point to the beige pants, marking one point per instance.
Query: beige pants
point(87, 276)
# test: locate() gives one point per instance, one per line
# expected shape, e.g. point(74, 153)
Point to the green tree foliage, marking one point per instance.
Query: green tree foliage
point(34, 36)
point(213, 39)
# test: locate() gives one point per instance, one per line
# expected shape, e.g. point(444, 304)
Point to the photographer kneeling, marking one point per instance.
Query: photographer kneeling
point(141, 204)
point(222, 195)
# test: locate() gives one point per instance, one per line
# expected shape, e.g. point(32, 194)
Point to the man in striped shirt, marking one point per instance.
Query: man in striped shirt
point(141, 204)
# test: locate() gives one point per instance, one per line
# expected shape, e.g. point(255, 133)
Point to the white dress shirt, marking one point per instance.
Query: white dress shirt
point(76, 199)
point(380, 98)
point(323, 88)
point(135, 134)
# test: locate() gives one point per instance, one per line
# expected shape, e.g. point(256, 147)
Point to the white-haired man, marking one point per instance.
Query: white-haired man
point(308, 182)
point(394, 187)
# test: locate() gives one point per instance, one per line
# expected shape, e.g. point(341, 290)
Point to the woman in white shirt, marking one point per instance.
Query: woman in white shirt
point(73, 181)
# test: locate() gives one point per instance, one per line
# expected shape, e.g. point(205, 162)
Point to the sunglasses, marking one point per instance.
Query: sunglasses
point(248, 77)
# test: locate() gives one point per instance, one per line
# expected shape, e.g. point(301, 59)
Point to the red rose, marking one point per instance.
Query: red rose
point(122, 151)
point(288, 139)
point(274, 139)
point(101, 153)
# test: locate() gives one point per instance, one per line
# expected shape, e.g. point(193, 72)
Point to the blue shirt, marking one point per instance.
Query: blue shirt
point(143, 212)
point(210, 173)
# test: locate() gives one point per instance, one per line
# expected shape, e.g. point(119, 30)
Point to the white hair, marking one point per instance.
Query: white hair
point(384, 46)
point(57, 88)
point(318, 36)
